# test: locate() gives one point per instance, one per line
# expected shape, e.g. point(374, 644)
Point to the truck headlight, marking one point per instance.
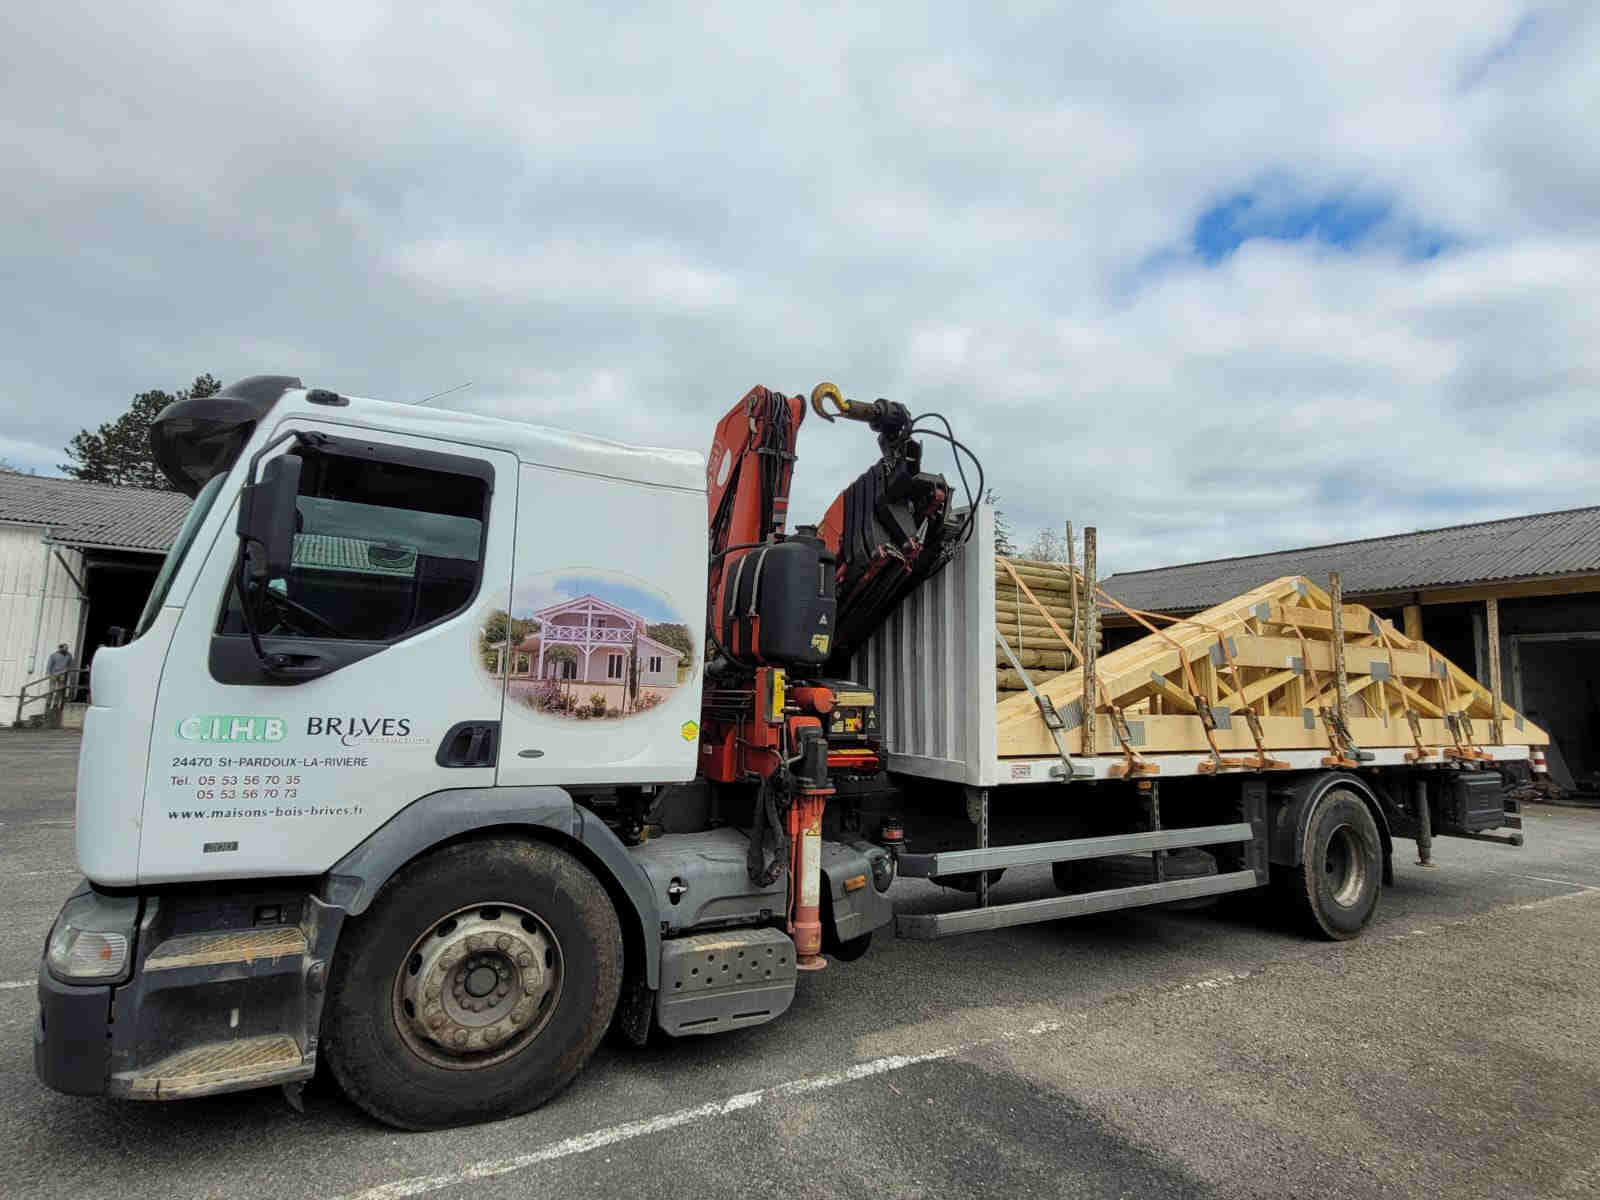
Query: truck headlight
point(91, 938)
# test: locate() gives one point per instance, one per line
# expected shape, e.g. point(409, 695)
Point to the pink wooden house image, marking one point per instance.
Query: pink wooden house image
point(591, 645)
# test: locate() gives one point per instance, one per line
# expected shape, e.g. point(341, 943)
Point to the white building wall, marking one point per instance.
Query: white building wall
point(30, 574)
point(667, 676)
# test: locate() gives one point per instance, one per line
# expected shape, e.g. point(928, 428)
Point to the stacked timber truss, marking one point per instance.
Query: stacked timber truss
point(1281, 668)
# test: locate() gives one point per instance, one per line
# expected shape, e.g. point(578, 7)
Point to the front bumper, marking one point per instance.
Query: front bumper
point(223, 992)
point(72, 1036)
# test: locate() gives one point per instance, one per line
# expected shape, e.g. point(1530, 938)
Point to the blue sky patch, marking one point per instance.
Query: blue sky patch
point(1343, 221)
point(1279, 209)
point(635, 599)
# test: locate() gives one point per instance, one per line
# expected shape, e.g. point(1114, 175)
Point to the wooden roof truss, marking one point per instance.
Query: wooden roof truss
point(1259, 674)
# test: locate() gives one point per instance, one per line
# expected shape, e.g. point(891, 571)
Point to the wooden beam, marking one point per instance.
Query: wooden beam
point(1341, 682)
point(1072, 577)
point(1411, 614)
point(1420, 701)
point(1172, 694)
point(1492, 616)
point(1315, 618)
point(1263, 687)
point(1565, 585)
point(1091, 703)
point(1350, 689)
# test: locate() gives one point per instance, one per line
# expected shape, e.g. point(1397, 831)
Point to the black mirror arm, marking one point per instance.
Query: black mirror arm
point(245, 613)
point(269, 662)
point(308, 439)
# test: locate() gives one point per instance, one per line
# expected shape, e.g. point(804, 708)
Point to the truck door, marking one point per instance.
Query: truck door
point(378, 687)
point(607, 613)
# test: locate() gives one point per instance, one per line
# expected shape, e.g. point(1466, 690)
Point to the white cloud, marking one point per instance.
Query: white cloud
point(622, 220)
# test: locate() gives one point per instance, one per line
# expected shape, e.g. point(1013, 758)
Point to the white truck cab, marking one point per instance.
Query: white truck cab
point(415, 537)
point(387, 648)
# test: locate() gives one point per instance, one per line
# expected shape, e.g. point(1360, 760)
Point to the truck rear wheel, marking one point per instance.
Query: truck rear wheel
point(1334, 891)
point(475, 987)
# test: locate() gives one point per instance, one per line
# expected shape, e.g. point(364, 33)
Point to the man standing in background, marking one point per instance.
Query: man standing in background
point(57, 666)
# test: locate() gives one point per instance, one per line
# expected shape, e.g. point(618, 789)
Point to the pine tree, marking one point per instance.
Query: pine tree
point(119, 451)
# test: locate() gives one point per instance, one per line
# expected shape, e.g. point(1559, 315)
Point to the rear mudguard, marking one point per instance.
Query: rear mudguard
point(1290, 815)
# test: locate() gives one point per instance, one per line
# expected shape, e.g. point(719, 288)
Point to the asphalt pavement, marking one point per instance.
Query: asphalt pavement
point(1453, 1050)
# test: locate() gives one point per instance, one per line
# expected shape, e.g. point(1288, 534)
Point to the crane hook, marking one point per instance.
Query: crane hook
point(851, 409)
point(825, 391)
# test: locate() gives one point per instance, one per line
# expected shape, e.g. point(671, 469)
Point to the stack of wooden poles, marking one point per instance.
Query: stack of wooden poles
point(1059, 591)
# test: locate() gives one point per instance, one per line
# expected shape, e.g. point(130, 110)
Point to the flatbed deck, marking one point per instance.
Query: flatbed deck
point(1251, 685)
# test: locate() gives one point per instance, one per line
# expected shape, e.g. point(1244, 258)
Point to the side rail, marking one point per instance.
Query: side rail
point(1241, 843)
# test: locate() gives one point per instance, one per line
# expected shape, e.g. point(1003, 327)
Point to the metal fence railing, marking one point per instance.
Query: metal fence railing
point(49, 695)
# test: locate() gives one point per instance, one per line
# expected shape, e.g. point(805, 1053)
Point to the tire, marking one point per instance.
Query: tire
point(408, 1034)
point(1334, 891)
point(850, 949)
point(966, 881)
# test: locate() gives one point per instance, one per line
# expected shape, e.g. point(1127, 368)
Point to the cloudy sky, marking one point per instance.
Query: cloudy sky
point(1218, 277)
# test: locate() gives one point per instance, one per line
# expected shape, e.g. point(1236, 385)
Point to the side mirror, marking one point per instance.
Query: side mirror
point(267, 518)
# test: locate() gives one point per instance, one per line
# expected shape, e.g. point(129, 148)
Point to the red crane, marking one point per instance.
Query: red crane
point(781, 607)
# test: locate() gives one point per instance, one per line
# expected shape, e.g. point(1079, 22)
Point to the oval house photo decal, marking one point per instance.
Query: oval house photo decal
point(588, 646)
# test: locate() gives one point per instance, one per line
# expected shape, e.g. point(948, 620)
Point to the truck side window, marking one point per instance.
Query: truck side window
point(381, 549)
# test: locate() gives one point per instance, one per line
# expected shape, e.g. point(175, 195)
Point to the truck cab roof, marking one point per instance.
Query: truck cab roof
point(193, 437)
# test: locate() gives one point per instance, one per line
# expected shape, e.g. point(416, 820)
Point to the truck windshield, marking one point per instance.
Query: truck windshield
point(169, 566)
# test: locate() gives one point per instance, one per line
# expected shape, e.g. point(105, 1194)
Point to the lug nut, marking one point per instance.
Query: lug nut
point(524, 959)
point(502, 942)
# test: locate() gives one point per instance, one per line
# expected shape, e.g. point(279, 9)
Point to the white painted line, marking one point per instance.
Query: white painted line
point(1221, 981)
point(584, 1142)
point(1588, 887)
point(36, 874)
point(10, 984)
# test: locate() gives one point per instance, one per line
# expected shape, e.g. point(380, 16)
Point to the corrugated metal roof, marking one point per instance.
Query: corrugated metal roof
point(93, 514)
point(1555, 543)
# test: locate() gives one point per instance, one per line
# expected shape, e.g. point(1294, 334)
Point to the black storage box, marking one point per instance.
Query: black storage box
point(1472, 803)
point(779, 607)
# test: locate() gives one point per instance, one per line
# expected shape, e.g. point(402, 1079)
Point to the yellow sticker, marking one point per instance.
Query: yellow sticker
point(819, 643)
point(690, 731)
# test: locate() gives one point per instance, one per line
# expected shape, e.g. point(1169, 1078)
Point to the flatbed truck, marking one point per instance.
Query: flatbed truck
point(446, 744)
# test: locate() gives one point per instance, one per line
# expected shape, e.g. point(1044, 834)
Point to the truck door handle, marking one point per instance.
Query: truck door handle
point(298, 666)
point(470, 744)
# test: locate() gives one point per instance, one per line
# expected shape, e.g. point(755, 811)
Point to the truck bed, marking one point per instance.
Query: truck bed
point(1269, 653)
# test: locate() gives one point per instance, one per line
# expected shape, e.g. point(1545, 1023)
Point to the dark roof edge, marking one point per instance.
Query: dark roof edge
point(73, 543)
point(1453, 585)
point(93, 483)
point(1387, 537)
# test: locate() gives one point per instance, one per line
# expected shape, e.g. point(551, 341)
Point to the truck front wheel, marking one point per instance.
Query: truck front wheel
point(1334, 891)
point(475, 987)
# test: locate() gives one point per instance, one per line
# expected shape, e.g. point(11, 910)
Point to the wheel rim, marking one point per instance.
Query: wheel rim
point(478, 986)
point(1344, 866)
